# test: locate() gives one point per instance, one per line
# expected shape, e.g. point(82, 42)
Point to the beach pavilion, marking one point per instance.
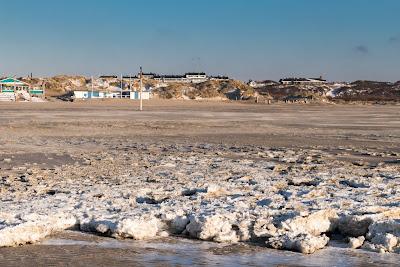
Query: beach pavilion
point(11, 85)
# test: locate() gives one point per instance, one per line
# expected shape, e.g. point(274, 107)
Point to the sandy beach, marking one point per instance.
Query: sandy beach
point(286, 176)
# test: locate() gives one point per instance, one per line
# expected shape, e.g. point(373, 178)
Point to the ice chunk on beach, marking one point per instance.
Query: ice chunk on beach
point(139, 228)
point(34, 231)
point(304, 243)
point(214, 228)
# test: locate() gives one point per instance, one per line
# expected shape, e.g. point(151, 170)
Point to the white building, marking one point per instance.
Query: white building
point(219, 78)
point(136, 95)
point(310, 81)
point(190, 77)
point(257, 84)
point(13, 85)
point(88, 94)
point(82, 95)
point(171, 78)
point(95, 95)
point(196, 77)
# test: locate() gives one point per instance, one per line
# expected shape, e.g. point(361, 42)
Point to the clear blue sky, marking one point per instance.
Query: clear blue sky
point(245, 39)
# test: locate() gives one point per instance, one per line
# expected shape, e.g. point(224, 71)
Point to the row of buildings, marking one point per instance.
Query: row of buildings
point(130, 90)
point(305, 81)
point(134, 95)
point(289, 81)
point(189, 77)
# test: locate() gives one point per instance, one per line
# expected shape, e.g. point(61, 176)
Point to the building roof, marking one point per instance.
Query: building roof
point(302, 79)
point(173, 76)
point(318, 79)
point(195, 73)
point(265, 81)
point(294, 80)
point(150, 74)
point(108, 76)
point(220, 77)
point(12, 82)
point(169, 76)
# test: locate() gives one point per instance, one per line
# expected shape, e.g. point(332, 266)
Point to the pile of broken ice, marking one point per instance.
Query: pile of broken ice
point(305, 233)
point(299, 201)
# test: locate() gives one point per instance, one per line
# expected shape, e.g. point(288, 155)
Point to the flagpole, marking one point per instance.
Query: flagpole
point(141, 90)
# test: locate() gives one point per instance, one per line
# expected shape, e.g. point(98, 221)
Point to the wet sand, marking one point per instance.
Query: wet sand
point(77, 249)
point(282, 125)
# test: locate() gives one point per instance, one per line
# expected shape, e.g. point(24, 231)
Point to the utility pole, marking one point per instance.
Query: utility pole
point(141, 90)
point(44, 90)
point(92, 87)
point(122, 85)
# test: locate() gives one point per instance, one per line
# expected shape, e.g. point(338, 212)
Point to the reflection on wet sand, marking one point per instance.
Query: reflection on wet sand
point(77, 249)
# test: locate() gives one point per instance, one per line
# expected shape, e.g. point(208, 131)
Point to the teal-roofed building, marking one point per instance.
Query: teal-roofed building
point(11, 85)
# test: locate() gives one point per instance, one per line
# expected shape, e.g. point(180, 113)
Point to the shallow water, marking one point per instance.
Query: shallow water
point(77, 249)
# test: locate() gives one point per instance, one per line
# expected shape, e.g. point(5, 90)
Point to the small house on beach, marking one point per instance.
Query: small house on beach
point(135, 95)
point(11, 85)
point(14, 89)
